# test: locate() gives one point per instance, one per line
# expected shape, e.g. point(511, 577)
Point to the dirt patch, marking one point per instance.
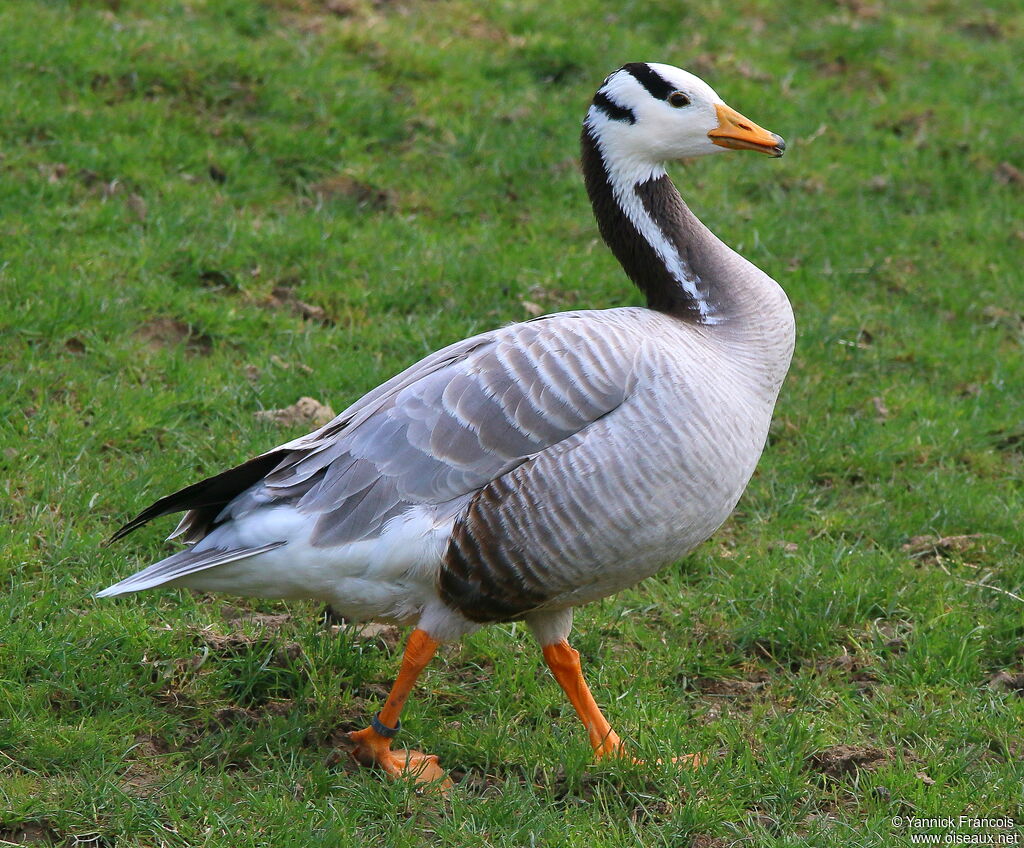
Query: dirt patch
point(215, 280)
point(230, 716)
point(1012, 442)
point(136, 206)
point(1008, 681)
point(1009, 174)
point(341, 748)
point(1006, 319)
point(160, 333)
point(305, 411)
point(386, 634)
point(856, 669)
point(723, 697)
point(141, 778)
point(312, 16)
point(237, 643)
point(75, 346)
point(141, 781)
point(936, 550)
point(842, 760)
point(177, 674)
point(273, 622)
point(914, 125)
point(284, 297)
point(540, 299)
point(244, 638)
point(894, 633)
point(853, 74)
point(860, 9)
point(985, 30)
point(29, 833)
point(218, 92)
point(731, 687)
point(479, 29)
point(367, 197)
point(147, 745)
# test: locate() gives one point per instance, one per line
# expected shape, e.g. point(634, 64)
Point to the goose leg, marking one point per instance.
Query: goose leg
point(564, 662)
point(373, 745)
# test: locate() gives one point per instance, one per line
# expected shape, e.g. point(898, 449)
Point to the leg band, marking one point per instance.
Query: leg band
point(383, 729)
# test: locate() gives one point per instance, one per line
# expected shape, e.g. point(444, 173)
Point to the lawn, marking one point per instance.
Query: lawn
point(211, 209)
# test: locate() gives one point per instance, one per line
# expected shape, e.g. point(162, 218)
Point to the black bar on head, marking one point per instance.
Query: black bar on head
point(650, 79)
point(612, 109)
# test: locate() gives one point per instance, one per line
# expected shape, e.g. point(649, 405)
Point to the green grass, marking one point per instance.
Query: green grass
point(410, 169)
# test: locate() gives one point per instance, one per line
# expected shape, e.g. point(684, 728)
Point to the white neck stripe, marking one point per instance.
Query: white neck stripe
point(624, 175)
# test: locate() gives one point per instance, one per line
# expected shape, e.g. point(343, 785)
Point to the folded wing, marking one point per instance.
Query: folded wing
point(436, 433)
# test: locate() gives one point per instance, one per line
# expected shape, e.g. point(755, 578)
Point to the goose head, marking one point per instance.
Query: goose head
point(647, 113)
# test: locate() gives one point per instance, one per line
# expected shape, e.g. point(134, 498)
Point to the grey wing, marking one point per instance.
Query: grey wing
point(444, 429)
point(230, 493)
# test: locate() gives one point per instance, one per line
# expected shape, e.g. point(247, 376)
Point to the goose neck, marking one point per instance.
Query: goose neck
point(651, 231)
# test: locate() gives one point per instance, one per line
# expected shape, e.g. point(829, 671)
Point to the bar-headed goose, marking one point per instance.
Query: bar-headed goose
point(532, 468)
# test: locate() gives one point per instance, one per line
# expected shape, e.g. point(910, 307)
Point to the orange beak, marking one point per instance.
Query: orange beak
point(737, 132)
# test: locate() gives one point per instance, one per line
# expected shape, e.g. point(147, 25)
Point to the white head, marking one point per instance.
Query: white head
point(646, 114)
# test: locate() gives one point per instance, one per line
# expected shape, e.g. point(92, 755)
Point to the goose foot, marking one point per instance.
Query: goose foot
point(372, 749)
point(372, 746)
point(684, 761)
point(692, 761)
point(612, 747)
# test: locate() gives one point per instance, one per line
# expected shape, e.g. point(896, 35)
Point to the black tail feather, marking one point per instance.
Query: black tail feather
point(209, 496)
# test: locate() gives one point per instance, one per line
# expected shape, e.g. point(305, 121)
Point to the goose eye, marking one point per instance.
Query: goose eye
point(678, 99)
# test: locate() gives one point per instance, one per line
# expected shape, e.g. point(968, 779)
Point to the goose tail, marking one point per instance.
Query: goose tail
point(181, 565)
point(204, 500)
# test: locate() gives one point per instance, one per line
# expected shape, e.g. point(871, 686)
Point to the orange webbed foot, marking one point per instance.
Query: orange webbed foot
point(612, 747)
point(372, 749)
point(692, 761)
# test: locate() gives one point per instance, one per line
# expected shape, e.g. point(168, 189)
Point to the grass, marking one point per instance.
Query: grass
point(212, 208)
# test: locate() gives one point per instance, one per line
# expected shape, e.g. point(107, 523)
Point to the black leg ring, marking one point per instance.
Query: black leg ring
point(383, 729)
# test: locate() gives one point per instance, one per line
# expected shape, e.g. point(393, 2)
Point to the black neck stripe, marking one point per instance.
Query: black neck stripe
point(655, 84)
point(638, 257)
point(612, 109)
